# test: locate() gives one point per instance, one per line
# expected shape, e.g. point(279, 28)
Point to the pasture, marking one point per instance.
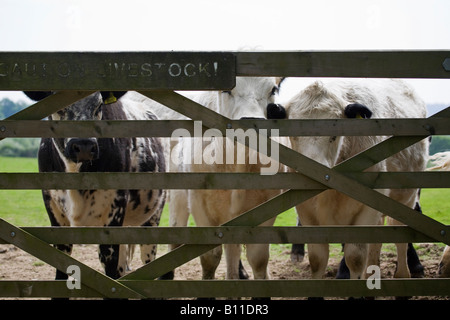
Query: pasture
point(26, 208)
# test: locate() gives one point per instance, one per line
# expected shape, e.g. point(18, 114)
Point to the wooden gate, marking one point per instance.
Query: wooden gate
point(156, 75)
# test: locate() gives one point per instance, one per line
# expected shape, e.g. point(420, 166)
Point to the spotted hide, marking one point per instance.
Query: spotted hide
point(103, 207)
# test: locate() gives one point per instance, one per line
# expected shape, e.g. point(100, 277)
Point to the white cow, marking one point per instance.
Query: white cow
point(441, 162)
point(362, 99)
point(249, 99)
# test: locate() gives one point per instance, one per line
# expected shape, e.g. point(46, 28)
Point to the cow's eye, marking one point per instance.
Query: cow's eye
point(274, 91)
point(98, 112)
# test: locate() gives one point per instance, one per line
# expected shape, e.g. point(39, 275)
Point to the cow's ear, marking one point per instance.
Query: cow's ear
point(279, 80)
point(276, 111)
point(37, 95)
point(111, 96)
point(357, 110)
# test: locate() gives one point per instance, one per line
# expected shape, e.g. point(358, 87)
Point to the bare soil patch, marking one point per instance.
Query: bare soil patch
point(16, 264)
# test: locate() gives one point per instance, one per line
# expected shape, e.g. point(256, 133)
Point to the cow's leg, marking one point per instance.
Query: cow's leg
point(201, 214)
point(210, 261)
point(415, 267)
point(410, 198)
point(148, 251)
point(232, 255)
point(444, 264)
point(110, 257)
point(61, 274)
point(359, 255)
point(318, 259)
point(66, 248)
point(57, 218)
point(356, 259)
point(402, 261)
point(243, 275)
point(258, 258)
point(113, 261)
point(178, 210)
point(373, 257)
point(178, 217)
point(298, 250)
point(402, 270)
point(343, 272)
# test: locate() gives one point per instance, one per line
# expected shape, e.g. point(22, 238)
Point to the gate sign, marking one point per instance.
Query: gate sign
point(117, 71)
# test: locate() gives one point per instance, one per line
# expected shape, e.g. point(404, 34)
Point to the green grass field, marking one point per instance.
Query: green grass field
point(26, 208)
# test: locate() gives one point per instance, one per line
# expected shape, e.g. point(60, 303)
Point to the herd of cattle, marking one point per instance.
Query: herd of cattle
point(251, 98)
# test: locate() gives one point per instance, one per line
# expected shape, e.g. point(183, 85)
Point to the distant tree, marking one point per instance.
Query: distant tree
point(16, 147)
point(19, 147)
point(8, 107)
point(439, 144)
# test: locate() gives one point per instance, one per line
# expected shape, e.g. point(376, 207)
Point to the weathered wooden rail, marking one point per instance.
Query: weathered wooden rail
point(156, 75)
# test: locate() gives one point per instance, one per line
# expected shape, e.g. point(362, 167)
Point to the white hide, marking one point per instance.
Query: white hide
point(386, 99)
point(441, 162)
point(249, 98)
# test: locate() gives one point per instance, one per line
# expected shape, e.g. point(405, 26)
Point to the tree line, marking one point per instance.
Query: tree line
point(28, 147)
point(16, 147)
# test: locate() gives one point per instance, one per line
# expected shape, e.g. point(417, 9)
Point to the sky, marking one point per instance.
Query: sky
point(231, 25)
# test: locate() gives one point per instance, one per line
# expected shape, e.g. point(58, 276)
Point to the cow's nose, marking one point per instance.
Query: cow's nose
point(276, 111)
point(79, 150)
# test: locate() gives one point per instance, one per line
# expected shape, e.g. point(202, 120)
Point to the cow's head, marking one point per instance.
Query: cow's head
point(250, 98)
point(90, 108)
point(317, 102)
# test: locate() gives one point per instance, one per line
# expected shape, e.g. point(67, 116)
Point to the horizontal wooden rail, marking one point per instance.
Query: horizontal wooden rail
point(166, 128)
point(237, 288)
point(371, 64)
point(60, 260)
point(117, 70)
point(291, 288)
point(218, 235)
point(204, 70)
point(154, 74)
point(191, 180)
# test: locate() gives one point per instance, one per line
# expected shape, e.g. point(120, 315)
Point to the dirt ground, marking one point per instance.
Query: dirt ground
point(16, 264)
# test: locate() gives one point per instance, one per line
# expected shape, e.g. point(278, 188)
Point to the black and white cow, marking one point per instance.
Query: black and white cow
point(103, 207)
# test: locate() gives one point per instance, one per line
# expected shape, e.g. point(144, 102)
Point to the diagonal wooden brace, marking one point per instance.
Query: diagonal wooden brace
point(331, 178)
point(252, 217)
point(89, 277)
